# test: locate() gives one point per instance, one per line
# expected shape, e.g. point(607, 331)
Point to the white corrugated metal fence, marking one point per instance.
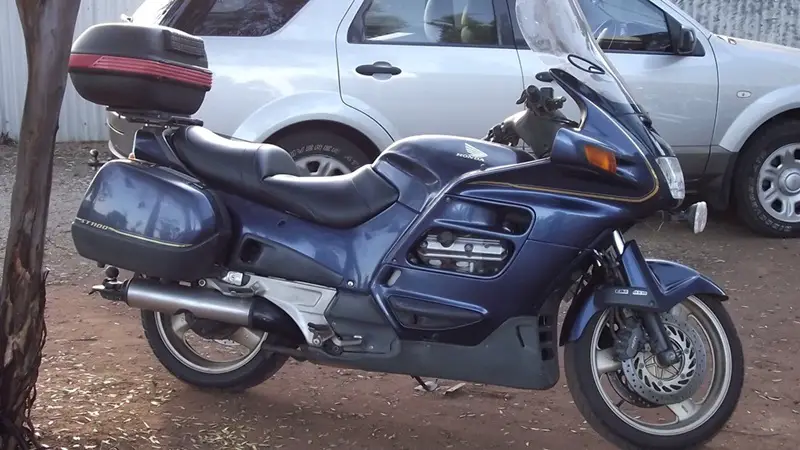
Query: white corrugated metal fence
point(776, 21)
point(80, 120)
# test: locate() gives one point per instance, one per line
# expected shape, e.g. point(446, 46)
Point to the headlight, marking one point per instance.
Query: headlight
point(671, 169)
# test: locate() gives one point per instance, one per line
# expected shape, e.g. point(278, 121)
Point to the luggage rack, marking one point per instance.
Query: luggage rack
point(156, 118)
point(148, 119)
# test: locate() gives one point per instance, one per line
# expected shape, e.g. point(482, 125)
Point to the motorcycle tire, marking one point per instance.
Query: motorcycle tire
point(597, 410)
point(260, 368)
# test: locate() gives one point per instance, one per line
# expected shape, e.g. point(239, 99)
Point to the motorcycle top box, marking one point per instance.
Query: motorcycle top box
point(129, 67)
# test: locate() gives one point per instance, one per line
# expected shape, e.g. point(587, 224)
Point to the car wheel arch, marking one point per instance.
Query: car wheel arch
point(309, 106)
point(346, 131)
point(726, 193)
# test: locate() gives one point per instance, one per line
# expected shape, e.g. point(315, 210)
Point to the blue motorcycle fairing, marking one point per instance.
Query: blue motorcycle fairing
point(344, 258)
point(674, 282)
point(420, 167)
point(635, 184)
point(520, 290)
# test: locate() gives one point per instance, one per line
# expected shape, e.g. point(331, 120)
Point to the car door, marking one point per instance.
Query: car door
point(430, 66)
point(679, 92)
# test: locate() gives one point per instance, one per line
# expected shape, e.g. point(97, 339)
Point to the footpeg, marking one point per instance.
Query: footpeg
point(324, 336)
point(320, 334)
point(355, 340)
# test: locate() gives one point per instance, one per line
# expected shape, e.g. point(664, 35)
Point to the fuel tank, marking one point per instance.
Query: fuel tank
point(421, 166)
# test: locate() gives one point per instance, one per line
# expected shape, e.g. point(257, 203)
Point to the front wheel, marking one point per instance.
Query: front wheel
point(637, 404)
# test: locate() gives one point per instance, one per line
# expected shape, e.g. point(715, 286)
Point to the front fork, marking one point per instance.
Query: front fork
point(634, 271)
point(649, 286)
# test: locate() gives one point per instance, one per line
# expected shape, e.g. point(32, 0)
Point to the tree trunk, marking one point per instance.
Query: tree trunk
point(48, 27)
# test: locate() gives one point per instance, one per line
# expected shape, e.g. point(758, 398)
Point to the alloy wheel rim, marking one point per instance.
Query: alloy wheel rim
point(172, 330)
point(778, 185)
point(689, 414)
point(322, 166)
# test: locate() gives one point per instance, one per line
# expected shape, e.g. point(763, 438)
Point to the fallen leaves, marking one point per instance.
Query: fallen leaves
point(73, 398)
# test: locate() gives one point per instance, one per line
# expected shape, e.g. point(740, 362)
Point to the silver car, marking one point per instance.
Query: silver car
point(336, 81)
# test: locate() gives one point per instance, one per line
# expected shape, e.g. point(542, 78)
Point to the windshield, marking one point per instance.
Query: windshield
point(153, 11)
point(559, 35)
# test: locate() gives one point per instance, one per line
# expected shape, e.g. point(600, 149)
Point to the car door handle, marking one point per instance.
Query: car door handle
point(378, 68)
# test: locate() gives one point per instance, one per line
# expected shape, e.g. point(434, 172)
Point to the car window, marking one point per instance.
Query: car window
point(628, 25)
point(246, 17)
point(431, 22)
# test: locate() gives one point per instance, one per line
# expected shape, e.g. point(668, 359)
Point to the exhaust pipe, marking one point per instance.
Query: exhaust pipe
point(252, 312)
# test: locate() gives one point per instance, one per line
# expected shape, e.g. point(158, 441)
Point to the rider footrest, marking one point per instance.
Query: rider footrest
point(322, 333)
point(318, 327)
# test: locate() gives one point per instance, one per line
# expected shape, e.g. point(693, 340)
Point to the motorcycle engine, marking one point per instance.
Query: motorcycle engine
point(462, 253)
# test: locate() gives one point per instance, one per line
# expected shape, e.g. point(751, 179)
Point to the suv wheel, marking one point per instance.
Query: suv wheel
point(767, 182)
point(323, 153)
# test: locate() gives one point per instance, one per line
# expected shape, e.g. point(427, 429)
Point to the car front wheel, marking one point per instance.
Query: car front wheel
point(767, 182)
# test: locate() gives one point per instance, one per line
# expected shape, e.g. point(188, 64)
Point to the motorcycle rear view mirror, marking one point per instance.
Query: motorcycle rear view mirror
point(570, 148)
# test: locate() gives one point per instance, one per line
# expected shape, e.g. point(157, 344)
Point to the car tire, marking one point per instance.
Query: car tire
point(314, 149)
point(751, 205)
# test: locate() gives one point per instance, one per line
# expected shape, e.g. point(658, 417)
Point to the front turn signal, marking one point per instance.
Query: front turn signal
point(601, 158)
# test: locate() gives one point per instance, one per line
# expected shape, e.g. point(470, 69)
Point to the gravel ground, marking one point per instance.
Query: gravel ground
point(101, 387)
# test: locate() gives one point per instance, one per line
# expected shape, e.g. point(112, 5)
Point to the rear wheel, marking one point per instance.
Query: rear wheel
point(324, 153)
point(209, 354)
point(638, 404)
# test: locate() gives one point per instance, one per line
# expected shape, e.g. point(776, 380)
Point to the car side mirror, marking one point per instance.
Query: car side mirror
point(687, 41)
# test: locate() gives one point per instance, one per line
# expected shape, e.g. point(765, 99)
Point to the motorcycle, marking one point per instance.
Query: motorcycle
point(447, 257)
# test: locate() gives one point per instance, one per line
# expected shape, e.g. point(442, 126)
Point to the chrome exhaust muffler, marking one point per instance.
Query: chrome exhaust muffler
point(251, 312)
point(209, 304)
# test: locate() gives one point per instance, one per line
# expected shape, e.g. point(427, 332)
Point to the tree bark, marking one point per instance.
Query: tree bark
point(48, 27)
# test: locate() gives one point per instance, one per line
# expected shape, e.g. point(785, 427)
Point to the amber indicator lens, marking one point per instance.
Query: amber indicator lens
point(601, 158)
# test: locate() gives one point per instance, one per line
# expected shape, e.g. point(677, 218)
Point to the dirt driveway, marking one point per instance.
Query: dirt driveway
point(101, 388)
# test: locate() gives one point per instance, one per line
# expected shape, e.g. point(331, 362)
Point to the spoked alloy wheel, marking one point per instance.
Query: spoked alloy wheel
point(639, 404)
point(322, 166)
point(208, 348)
point(779, 184)
point(210, 354)
point(766, 181)
point(324, 152)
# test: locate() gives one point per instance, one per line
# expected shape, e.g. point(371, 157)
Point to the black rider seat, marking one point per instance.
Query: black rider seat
point(267, 174)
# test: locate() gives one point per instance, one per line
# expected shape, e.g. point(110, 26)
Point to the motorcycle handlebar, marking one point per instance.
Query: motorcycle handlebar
point(536, 125)
point(541, 100)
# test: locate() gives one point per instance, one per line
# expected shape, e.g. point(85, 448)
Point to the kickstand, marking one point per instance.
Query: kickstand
point(427, 386)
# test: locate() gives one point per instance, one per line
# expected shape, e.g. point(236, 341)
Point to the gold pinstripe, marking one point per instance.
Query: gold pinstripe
point(130, 235)
point(617, 198)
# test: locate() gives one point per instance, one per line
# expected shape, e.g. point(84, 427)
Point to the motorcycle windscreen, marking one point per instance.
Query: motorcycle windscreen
point(559, 35)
